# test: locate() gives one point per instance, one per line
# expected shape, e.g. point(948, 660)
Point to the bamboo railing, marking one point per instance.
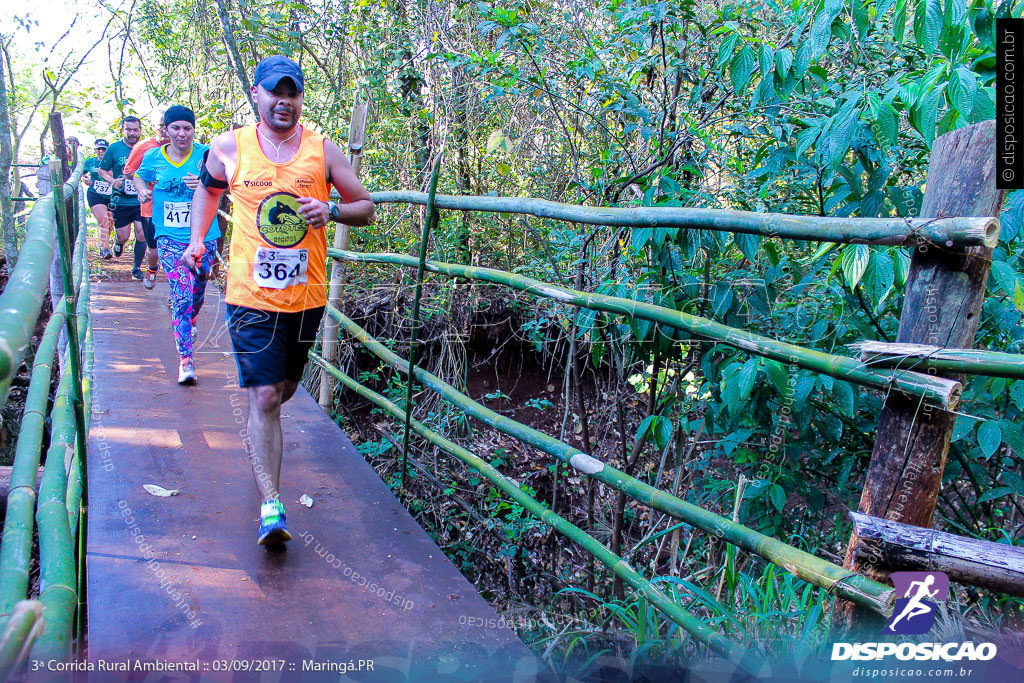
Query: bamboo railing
point(57, 222)
point(924, 387)
point(832, 577)
point(702, 632)
point(937, 391)
point(947, 232)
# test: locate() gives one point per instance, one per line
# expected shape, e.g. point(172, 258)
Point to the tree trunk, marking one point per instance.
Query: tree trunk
point(235, 58)
point(462, 179)
point(6, 159)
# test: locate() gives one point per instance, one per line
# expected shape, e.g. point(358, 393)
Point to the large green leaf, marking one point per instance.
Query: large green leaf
point(641, 236)
point(721, 298)
point(989, 437)
point(899, 21)
point(861, 17)
point(845, 397)
point(725, 50)
point(748, 244)
point(962, 84)
point(1017, 394)
point(955, 12)
point(923, 116)
point(1013, 436)
point(984, 28)
point(821, 32)
point(879, 278)
point(928, 23)
point(731, 388)
point(984, 107)
point(741, 68)
point(855, 259)
point(777, 495)
point(779, 376)
point(747, 375)
point(1005, 277)
point(806, 138)
point(804, 54)
point(766, 59)
point(783, 60)
point(884, 121)
point(1015, 482)
point(995, 494)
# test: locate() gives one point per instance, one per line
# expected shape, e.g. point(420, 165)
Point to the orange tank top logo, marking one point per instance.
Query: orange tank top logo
point(278, 263)
point(279, 221)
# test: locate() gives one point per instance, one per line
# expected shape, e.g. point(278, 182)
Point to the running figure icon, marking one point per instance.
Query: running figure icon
point(914, 612)
point(914, 606)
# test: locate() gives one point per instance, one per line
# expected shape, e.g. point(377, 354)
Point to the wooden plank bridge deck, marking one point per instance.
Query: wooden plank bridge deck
point(181, 579)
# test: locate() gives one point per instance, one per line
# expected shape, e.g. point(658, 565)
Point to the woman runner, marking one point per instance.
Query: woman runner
point(98, 196)
point(170, 174)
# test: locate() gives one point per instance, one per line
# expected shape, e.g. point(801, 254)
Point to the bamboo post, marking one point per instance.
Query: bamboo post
point(429, 217)
point(945, 290)
point(342, 233)
point(65, 213)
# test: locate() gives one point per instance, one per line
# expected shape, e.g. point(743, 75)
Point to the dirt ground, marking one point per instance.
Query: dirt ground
point(115, 269)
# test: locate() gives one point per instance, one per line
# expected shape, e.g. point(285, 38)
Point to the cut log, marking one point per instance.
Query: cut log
point(925, 357)
point(969, 561)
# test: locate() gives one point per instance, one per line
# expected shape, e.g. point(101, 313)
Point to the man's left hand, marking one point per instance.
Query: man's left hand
point(314, 211)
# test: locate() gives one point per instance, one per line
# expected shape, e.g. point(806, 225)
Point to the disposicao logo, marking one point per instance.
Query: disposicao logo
point(914, 614)
point(914, 611)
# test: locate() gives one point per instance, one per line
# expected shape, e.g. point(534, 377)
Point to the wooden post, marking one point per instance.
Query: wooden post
point(902, 547)
point(356, 140)
point(945, 290)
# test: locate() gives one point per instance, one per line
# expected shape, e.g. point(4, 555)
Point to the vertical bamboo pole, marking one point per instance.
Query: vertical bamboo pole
point(342, 232)
point(945, 290)
point(429, 217)
point(65, 214)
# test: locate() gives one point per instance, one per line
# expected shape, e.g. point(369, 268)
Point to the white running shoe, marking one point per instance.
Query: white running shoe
point(187, 371)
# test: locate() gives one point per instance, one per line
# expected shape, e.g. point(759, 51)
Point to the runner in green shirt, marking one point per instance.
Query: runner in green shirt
point(98, 195)
point(124, 200)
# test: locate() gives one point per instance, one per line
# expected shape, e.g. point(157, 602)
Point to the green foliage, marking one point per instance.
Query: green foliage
point(819, 107)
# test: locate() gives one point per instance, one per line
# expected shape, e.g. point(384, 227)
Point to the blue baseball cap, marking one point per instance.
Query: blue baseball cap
point(271, 70)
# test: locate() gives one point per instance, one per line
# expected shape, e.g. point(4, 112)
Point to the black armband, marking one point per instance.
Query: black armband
point(208, 180)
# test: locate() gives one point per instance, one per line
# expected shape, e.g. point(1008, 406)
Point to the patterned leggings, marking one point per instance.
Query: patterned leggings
point(187, 290)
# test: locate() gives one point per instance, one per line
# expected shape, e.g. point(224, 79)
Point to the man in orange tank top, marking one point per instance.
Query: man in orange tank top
point(279, 174)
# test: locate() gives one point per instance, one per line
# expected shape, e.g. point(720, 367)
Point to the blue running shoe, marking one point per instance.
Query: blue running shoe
point(272, 523)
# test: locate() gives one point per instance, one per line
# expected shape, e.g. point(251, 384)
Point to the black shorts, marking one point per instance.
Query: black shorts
point(271, 347)
point(125, 215)
point(95, 198)
point(149, 230)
